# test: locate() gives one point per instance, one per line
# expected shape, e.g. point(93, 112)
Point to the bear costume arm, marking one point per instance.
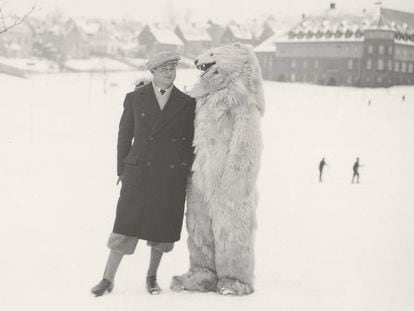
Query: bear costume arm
point(242, 164)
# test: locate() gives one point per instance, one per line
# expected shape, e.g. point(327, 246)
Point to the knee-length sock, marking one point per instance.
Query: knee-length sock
point(155, 260)
point(114, 259)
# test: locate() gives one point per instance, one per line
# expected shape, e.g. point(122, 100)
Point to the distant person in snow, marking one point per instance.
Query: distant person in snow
point(403, 98)
point(355, 168)
point(322, 164)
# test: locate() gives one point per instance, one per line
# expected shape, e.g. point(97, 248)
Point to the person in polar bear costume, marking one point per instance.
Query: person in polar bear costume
point(222, 195)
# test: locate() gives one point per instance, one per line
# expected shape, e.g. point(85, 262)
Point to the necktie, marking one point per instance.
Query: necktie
point(162, 92)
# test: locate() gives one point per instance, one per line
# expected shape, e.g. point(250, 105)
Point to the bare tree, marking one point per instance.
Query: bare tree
point(8, 19)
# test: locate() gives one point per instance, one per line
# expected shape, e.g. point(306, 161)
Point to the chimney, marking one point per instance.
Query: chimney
point(332, 5)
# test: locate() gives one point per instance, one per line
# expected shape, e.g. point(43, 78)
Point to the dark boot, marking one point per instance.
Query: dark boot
point(102, 287)
point(152, 286)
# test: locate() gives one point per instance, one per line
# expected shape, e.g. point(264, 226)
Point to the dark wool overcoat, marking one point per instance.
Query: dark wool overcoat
point(155, 155)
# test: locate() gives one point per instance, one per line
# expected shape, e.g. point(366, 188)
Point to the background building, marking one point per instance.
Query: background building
point(369, 48)
point(196, 39)
point(159, 37)
point(18, 41)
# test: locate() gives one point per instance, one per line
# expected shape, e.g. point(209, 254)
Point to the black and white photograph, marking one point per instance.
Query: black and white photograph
point(201, 155)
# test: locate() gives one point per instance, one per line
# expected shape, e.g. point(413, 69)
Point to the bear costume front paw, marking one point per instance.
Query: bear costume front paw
point(202, 280)
point(233, 287)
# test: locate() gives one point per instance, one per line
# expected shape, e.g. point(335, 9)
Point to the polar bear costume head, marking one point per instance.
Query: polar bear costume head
point(230, 69)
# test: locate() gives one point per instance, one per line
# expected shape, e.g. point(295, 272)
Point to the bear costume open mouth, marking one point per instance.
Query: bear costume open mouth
point(205, 67)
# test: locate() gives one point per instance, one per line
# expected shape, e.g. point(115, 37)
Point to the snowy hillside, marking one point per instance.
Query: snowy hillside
point(331, 246)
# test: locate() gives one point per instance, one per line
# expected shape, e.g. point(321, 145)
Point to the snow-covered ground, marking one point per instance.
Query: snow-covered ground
point(30, 65)
point(94, 64)
point(331, 246)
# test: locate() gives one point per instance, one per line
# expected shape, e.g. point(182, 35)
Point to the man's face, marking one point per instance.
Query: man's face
point(164, 75)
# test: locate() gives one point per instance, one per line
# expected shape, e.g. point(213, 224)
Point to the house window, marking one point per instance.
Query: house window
point(390, 50)
point(293, 64)
point(305, 63)
point(350, 64)
point(390, 65)
point(369, 64)
point(381, 50)
point(316, 63)
point(293, 77)
point(380, 64)
point(370, 49)
point(397, 66)
point(410, 67)
point(403, 67)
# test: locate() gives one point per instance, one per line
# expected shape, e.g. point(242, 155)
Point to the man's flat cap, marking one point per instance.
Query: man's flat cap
point(162, 58)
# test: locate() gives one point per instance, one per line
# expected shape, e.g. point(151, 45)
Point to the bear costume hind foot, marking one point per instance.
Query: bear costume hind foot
point(233, 287)
point(202, 280)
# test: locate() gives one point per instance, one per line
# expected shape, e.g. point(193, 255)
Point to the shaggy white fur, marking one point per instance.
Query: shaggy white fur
point(222, 196)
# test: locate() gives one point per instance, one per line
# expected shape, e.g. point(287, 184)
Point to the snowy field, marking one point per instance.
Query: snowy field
point(331, 246)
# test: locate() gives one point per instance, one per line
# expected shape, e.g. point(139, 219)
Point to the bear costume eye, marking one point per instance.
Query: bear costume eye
point(212, 54)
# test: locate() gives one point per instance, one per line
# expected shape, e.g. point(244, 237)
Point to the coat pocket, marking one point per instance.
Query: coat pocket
point(131, 159)
point(133, 174)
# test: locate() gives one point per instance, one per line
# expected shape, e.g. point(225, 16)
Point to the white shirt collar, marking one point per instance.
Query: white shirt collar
point(158, 89)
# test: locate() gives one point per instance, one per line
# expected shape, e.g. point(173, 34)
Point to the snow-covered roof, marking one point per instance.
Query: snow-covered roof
point(269, 45)
point(240, 31)
point(404, 20)
point(217, 21)
point(194, 33)
point(89, 28)
point(341, 25)
point(165, 35)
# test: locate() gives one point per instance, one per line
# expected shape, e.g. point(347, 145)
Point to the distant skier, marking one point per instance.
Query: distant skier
point(356, 172)
point(322, 164)
point(403, 98)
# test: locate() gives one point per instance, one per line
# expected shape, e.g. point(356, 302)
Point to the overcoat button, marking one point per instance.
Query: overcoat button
point(174, 140)
point(184, 138)
point(151, 138)
point(172, 166)
point(149, 163)
point(143, 114)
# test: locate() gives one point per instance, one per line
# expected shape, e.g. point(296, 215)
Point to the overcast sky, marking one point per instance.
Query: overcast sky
point(158, 10)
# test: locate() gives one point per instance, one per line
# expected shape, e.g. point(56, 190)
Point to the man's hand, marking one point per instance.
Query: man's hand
point(120, 179)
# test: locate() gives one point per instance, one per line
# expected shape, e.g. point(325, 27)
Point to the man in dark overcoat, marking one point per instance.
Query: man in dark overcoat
point(154, 158)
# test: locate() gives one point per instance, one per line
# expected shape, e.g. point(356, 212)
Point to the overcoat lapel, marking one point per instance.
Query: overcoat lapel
point(173, 106)
point(151, 110)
